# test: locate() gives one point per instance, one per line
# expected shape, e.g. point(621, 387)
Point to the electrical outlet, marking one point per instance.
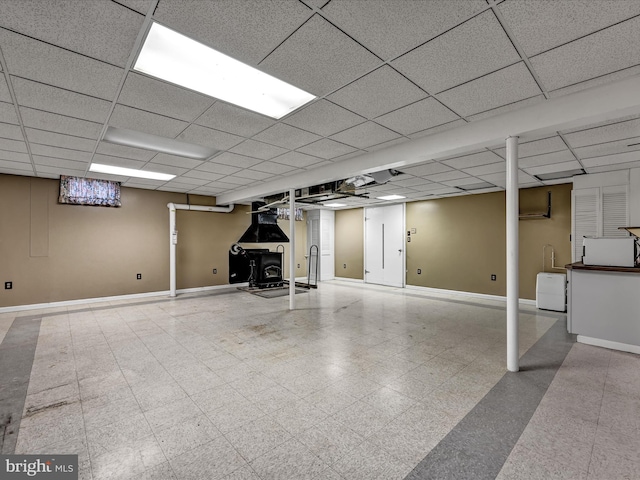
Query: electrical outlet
point(344, 265)
point(8, 285)
point(298, 265)
point(139, 276)
point(419, 271)
point(493, 277)
point(215, 271)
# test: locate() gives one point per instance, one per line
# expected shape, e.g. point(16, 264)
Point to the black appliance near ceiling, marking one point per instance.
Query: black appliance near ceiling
point(264, 226)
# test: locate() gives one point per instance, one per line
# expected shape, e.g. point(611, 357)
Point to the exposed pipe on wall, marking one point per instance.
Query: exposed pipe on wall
point(173, 234)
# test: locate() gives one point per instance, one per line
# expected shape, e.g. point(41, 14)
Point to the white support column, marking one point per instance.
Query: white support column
point(512, 255)
point(292, 249)
point(173, 239)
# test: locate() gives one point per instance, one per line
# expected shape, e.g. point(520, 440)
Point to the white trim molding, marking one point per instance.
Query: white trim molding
point(599, 342)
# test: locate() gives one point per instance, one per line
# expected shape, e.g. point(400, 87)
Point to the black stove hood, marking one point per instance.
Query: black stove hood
point(264, 226)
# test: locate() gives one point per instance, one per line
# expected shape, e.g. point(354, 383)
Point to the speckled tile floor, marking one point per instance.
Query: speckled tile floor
point(360, 382)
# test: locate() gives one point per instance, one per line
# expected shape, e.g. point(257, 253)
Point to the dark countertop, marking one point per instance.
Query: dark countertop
point(600, 268)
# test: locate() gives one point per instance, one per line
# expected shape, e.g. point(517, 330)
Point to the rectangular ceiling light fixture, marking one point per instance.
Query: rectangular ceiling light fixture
point(335, 204)
point(391, 197)
point(171, 56)
point(476, 186)
point(133, 138)
point(129, 172)
point(557, 175)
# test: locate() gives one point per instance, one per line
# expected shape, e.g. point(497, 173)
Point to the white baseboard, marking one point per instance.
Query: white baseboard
point(345, 279)
point(498, 298)
point(115, 298)
point(598, 342)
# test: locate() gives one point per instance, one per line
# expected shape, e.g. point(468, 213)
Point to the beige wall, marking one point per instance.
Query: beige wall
point(460, 241)
point(349, 238)
point(89, 252)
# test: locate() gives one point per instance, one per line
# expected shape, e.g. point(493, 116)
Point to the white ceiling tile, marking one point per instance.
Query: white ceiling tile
point(147, 122)
point(536, 147)
point(20, 166)
point(444, 191)
point(286, 136)
point(609, 148)
point(272, 168)
point(15, 156)
point(418, 116)
point(229, 118)
point(324, 118)
point(175, 161)
point(141, 6)
point(157, 167)
point(408, 181)
point(221, 185)
point(394, 27)
point(539, 25)
point(252, 148)
point(146, 93)
point(554, 168)
point(184, 180)
point(5, 96)
point(448, 176)
point(326, 149)
point(475, 48)
point(439, 128)
point(246, 30)
point(461, 182)
point(56, 152)
point(103, 30)
point(606, 133)
point(473, 160)
point(124, 152)
point(117, 161)
point(559, 181)
point(12, 145)
point(247, 174)
point(217, 168)
point(488, 169)
point(427, 169)
point(386, 144)
point(46, 169)
point(209, 137)
point(235, 160)
point(612, 168)
point(56, 100)
point(389, 89)
point(365, 135)
point(507, 108)
point(500, 180)
point(298, 160)
point(44, 63)
point(235, 180)
point(500, 88)
point(612, 159)
point(594, 82)
point(8, 112)
point(135, 183)
point(319, 58)
point(59, 162)
point(603, 52)
point(59, 123)
point(201, 174)
point(10, 131)
point(59, 140)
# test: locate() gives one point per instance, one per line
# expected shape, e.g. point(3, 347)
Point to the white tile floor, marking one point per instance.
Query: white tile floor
point(360, 382)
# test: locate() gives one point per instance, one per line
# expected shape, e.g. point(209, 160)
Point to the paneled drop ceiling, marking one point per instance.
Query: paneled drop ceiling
point(384, 72)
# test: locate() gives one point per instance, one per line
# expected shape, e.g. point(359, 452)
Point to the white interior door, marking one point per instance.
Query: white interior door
point(384, 245)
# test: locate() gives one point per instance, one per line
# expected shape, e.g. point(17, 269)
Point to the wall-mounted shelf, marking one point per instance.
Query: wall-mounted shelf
point(534, 216)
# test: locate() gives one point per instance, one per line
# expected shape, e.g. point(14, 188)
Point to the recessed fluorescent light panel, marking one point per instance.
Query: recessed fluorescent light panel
point(129, 172)
point(475, 186)
point(557, 175)
point(335, 204)
point(391, 197)
point(170, 56)
point(132, 138)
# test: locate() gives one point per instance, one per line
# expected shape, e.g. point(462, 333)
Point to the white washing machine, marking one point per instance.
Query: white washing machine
point(551, 291)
